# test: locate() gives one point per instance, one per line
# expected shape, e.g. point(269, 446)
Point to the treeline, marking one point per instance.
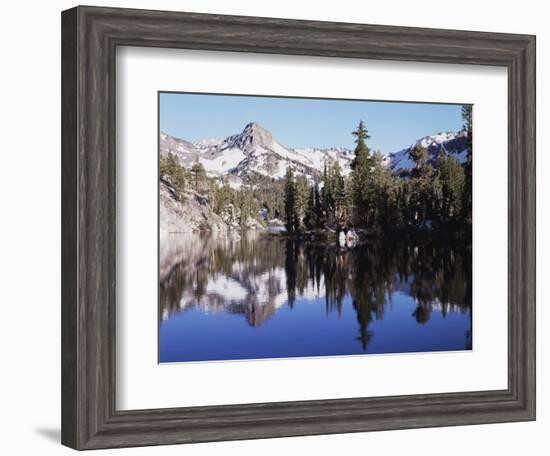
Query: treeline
point(373, 199)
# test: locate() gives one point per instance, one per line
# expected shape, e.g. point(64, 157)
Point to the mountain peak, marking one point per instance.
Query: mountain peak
point(252, 135)
point(449, 142)
point(254, 125)
point(255, 129)
point(439, 138)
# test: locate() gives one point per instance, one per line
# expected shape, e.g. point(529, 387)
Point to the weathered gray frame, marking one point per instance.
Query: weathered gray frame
point(90, 36)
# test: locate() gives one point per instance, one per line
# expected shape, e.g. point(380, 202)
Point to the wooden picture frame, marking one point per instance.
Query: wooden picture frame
point(90, 36)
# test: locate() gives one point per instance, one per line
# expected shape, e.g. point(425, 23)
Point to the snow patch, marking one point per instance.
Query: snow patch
point(223, 163)
point(230, 289)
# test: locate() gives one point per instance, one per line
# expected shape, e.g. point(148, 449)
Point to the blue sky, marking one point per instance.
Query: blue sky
point(299, 122)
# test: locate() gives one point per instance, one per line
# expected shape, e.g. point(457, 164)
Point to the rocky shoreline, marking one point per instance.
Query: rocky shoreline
point(195, 214)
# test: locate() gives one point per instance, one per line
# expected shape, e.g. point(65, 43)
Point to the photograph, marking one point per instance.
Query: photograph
point(299, 227)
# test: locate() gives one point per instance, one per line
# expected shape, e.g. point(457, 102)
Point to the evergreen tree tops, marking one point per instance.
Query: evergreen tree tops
point(290, 201)
point(361, 151)
point(466, 112)
point(361, 135)
point(198, 176)
point(171, 169)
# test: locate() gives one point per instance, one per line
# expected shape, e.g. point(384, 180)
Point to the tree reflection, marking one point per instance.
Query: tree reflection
point(256, 275)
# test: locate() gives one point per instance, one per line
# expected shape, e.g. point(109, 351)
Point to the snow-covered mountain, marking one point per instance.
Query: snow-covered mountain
point(454, 143)
point(255, 151)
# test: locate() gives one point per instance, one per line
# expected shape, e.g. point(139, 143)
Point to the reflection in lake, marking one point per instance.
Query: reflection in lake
point(258, 296)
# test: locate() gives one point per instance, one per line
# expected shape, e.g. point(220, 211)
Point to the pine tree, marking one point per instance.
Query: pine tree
point(340, 197)
point(222, 196)
point(467, 194)
point(422, 194)
point(171, 170)
point(451, 176)
point(290, 201)
point(248, 206)
point(310, 219)
point(402, 217)
point(361, 191)
point(318, 206)
point(300, 202)
point(198, 176)
point(381, 191)
point(169, 164)
point(361, 135)
point(163, 165)
point(327, 196)
point(466, 112)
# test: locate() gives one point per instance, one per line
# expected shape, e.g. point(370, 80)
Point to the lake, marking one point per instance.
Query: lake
point(253, 295)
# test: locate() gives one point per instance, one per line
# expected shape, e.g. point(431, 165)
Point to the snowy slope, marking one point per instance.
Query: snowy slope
point(454, 143)
point(266, 156)
point(255, 152)
point(184, 150)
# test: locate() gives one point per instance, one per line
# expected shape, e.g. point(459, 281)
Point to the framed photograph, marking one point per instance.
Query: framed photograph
point(301, 227)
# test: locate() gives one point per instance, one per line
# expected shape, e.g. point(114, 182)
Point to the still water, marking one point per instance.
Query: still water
point(252, 295)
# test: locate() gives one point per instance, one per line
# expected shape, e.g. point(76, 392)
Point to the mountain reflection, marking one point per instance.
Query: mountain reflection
point(254, 275)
